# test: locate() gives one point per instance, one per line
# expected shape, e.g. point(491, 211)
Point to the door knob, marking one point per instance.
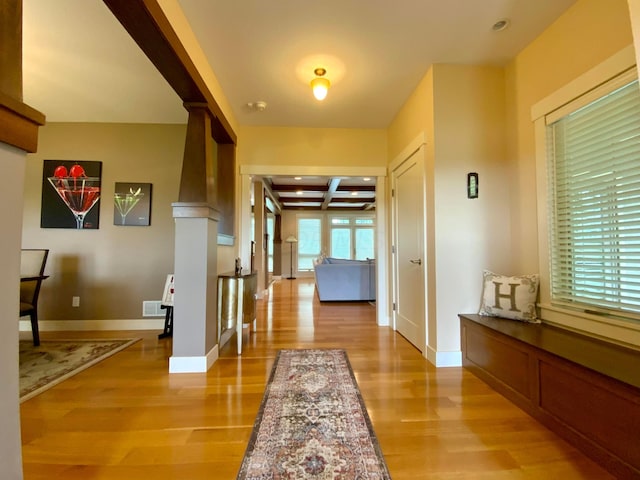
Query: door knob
point(417, 261)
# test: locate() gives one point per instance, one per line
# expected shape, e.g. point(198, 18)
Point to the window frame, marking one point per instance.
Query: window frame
point(623, 327)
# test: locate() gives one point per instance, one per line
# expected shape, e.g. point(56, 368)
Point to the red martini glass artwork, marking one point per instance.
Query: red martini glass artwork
point(79, 192)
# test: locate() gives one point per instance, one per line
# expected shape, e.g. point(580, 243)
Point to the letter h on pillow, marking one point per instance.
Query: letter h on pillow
point(510, 297)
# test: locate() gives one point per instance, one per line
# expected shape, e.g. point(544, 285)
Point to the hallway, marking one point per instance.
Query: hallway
point(128, 419)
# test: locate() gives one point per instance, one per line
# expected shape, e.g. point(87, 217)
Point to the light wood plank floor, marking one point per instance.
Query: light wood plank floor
point(127, 418)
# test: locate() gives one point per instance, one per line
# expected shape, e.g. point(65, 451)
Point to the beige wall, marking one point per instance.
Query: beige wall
point(470, 234)
point(587, 34)
point(461, 113)
point(114, 268)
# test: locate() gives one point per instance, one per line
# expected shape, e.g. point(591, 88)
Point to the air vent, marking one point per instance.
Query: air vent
point(151, 308)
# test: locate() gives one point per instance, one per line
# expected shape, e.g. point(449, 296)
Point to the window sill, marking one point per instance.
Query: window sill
point(622, 332)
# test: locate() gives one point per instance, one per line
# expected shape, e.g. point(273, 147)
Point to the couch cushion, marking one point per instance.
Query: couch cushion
point(340, 261)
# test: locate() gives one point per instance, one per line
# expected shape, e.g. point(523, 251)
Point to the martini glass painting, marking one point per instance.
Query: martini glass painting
point(78, 193)
point(125, 202)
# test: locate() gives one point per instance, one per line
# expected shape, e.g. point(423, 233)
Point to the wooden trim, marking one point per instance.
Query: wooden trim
point(151, 30)
point(19, 124)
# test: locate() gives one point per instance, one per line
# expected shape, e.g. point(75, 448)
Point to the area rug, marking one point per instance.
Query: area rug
point(312, 423)
point(53, 361)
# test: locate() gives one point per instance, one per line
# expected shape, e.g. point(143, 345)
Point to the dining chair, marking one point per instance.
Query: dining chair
point(32, 265)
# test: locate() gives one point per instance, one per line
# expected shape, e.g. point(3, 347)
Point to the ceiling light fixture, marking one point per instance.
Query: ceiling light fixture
point(320, 85)
point(258, 106)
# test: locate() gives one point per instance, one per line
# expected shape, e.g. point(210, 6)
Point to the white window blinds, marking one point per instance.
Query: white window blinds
point(594, 168)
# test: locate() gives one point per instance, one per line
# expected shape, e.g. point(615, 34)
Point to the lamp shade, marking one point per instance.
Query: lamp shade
point(320, 87)
point(291, 239)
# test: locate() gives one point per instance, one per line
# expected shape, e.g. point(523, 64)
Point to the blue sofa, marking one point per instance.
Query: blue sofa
point(345, 280)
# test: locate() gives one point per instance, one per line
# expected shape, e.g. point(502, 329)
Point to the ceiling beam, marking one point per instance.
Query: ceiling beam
point(334, 183)
point(357, 188)
point(299, 188)
point(286, 200)
point(151, 30)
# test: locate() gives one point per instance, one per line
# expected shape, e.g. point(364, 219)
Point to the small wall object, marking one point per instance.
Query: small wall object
point(472, 185)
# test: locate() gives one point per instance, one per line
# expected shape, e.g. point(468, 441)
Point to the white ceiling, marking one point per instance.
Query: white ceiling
point(80, 65)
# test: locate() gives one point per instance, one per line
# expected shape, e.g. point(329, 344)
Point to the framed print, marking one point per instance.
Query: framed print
point(132, 204)
point(71, 194)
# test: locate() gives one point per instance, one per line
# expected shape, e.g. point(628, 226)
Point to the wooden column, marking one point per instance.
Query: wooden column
point(18, 135)
point(197, 179)
point(226, 187)
point(18, 122)
point(195, 334)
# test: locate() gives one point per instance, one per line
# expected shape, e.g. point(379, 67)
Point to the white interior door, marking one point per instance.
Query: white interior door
point(409, 258)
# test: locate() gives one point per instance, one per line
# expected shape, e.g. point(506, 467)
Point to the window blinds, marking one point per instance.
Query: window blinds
point(594, 181)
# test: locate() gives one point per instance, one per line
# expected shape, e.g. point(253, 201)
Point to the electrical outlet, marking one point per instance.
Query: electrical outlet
point(75, 301)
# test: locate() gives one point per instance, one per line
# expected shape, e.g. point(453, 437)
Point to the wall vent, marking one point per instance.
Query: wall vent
point(151, 308)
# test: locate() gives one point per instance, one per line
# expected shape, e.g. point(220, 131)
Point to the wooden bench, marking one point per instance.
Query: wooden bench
point(585, 390)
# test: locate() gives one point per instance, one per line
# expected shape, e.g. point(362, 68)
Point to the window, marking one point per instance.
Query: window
point(309, 242)
point(352, 237)
point(593, 152)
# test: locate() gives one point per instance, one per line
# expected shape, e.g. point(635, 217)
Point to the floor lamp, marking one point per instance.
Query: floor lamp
point(291, 240)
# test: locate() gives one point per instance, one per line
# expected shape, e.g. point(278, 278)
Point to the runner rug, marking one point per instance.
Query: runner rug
point(53, 361)
point(312, 423)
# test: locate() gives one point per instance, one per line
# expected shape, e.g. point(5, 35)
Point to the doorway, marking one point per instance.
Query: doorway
point(247, 172)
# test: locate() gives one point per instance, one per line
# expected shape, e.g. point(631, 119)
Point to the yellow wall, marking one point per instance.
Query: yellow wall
point(310, 147)
point(587, 34)
point(634, 11)
point(114, 268)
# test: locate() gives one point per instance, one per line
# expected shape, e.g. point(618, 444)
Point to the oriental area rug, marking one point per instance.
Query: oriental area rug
point(53, 361)
point(312, 423)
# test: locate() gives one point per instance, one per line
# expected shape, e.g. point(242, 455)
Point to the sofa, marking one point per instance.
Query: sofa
point(345, 280)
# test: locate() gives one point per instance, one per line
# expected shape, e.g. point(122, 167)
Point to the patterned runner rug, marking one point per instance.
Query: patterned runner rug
point(312, 423)
point(53, 361)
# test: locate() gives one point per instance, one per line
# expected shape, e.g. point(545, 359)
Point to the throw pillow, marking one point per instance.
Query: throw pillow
point(510, 297)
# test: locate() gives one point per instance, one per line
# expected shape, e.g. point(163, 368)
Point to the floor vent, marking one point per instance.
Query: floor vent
point(151, 308)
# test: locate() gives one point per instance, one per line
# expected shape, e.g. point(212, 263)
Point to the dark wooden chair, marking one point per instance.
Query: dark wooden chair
point(32, 274)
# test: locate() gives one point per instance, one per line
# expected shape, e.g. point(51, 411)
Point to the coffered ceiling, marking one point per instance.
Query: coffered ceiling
point(322, 193)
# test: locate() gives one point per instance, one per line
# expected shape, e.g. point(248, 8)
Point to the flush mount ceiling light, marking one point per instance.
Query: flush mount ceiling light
point(320, 85)
point(258, 106)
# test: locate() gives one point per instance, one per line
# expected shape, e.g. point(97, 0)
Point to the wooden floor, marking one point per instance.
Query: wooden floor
point(127, 418)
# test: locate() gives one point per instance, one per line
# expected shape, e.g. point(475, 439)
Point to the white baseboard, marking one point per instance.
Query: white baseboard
point(444, 359)
point(94, 325)
point(384, 321)
point(193, 364)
